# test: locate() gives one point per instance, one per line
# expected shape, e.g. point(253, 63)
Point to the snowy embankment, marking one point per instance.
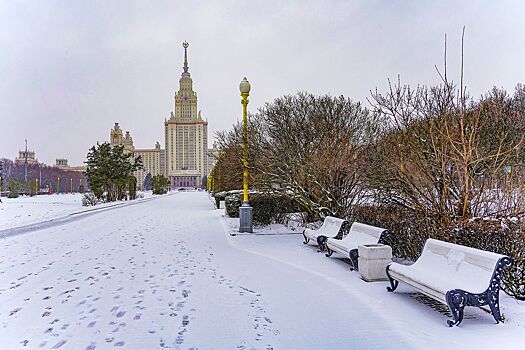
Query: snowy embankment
point(25, 210)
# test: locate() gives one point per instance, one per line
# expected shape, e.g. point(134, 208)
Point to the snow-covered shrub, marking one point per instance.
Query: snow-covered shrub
point(295, 220)
point(271, 208)
point(410, 231)
point(89, 199)
point(140, 195)
point(232, 203)
point(267, 208)
point(221, 196)
point(12, 194)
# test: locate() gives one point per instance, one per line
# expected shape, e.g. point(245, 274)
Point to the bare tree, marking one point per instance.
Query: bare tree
point(449, 154)
point(311, 149)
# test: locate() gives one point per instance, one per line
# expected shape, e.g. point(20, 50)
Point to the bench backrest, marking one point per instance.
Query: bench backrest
point(332, 224)
point(370, 230)
point(458, 253)
point(470, 265)
point(364, 234)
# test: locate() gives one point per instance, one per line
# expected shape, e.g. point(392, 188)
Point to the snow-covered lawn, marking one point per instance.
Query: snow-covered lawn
point(166, 274)
point(25, 210)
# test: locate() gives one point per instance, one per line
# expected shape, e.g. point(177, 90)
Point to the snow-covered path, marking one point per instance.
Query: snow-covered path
point(164, 274)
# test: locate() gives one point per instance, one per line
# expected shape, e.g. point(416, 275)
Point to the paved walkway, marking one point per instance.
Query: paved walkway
point(164, 274)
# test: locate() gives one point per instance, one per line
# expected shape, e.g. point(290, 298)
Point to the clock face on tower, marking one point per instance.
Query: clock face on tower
point(185, 98)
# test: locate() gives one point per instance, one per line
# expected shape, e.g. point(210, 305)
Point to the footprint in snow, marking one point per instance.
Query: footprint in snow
point(59, 344)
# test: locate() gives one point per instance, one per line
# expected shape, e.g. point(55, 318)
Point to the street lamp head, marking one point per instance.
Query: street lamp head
point(244, 86)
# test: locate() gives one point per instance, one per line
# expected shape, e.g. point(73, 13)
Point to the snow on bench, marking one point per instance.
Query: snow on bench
point(360, 234)
point(455, 275)
point(332, 227)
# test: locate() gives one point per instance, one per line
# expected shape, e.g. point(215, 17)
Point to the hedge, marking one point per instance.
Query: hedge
point(410, 231)
point(267, 208)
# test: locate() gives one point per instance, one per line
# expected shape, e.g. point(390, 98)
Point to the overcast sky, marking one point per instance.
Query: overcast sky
point(70, 69)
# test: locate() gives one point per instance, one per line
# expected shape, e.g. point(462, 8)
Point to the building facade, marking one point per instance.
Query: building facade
point(186, 136)
point(185, 158)
point(150, 157)
point(63, 164)
point(151, 162)
point(24, 156)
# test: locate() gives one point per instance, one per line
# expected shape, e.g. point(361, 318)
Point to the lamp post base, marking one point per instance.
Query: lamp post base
point(246, 218)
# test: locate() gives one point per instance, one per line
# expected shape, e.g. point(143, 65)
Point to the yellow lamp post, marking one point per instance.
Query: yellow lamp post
point(210, 179)
point(58, 185)
point(245, 211)
point(36, 186)
point(71, 185)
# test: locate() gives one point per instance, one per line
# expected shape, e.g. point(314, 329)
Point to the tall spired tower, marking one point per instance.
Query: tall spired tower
point(186, 135)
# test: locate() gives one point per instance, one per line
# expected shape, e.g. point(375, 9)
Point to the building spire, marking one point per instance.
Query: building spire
point(185, 46)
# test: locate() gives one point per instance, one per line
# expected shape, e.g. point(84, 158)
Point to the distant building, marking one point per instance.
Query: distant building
point(185, 160)
point(151, 158)
point(23, 155)
point(186, 136)
point(116, 137)
point(151, 161)
point(62, 164)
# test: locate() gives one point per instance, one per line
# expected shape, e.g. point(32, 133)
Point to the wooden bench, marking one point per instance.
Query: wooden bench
point(332, 227)
point(360, 234)
point(455, 275)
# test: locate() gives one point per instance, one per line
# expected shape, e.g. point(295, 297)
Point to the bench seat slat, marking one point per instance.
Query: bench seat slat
point(437, 295)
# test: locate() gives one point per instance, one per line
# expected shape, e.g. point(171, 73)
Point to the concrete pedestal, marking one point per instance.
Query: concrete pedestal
point(246, 218)
point(373, 259)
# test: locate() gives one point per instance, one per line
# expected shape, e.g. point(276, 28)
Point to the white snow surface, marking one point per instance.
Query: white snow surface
point(167, 274)
point(25, 210)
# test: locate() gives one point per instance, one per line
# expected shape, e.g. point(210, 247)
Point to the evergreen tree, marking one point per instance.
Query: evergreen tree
point(14, 186)
point(132, 187)
point(160, 184)
point(109, 170)
point(147, 182)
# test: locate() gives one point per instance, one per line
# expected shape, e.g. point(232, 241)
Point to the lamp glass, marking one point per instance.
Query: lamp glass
point(244, 86)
